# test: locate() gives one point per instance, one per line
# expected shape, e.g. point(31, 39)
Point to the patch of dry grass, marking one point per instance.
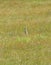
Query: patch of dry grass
point(15, 47)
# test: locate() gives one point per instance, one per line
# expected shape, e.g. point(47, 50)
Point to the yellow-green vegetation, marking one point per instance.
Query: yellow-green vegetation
point(17, 48)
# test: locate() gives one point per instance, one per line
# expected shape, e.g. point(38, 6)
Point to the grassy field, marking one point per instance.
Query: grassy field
point(17, 48)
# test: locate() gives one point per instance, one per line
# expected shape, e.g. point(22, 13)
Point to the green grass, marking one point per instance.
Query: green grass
point(17, 48)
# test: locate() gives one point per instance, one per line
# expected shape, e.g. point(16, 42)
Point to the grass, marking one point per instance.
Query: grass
point(15, 47)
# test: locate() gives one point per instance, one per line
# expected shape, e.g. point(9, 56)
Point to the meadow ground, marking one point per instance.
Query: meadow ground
point(16, 48)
